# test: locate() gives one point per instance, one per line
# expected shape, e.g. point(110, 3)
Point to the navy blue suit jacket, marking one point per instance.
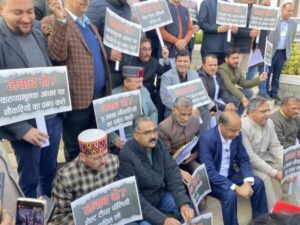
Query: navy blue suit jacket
point(210, 153)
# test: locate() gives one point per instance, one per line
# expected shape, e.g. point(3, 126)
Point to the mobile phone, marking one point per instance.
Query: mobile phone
point(1, 194)
point(50, 205)
point(30, 211)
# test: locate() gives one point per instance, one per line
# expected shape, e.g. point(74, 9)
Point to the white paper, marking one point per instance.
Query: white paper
point(41, 125)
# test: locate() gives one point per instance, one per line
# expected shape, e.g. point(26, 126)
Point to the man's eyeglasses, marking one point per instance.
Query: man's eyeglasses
point(149, 132)
point(146, 49)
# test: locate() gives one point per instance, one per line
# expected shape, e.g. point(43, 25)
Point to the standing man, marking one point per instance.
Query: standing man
point(281, 38)
point(96, 12)
point(221, 148)
point(73, 40)
point(162, 194)
point(180, 74)
point(265, 151)
point(287, 121)
point(214, 36)
point(23, 46)
point(178, 34)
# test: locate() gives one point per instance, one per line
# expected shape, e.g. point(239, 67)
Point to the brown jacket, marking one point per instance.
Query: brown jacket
point(67, 45)
point(175, 135)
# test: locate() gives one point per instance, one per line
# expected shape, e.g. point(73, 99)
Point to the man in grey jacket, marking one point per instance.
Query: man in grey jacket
point(281, 38)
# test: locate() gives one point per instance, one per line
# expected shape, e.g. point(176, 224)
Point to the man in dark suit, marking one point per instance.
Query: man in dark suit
point(229, 170)
point(73, 40)
point(23, 46)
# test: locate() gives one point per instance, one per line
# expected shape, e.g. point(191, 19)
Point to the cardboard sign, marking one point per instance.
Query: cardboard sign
point(152, 14)
point(117, 203)
point(199, 185)
point(31, 92)
point(232, 14)
point(192, 6)
point(291, 162)
point(204, 219)
point(268, 53)
point(193, 89)
point(184, 152)
point(263, 17)
point(121, 34)
point(117, 111)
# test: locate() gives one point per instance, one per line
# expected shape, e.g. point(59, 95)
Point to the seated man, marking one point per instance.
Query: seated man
point(180, 74)
point(92, 169)
point(162, 192)
point(214, 85)
point(228, 168)
point(179, 129)
point(11, 188)
point(232, 76)
point(133, 80)
point(287, 121)
point(265, 151)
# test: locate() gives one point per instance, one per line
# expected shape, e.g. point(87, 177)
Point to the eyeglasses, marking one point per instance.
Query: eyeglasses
point(146, 49)
point(149, 132)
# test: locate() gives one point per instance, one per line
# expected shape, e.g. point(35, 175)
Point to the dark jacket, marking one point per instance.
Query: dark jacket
point(210, 153)
point(96, 13)
point(12, 57)
point(213, 42)
point(153, 180)
point(242, 39)
point(210, 87)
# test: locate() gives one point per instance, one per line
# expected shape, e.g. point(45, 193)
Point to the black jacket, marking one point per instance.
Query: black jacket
point(153, 180)
point(210, 87)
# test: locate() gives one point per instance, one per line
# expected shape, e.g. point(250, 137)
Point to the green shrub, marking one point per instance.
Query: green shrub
point(198, 37)
point(292, 65)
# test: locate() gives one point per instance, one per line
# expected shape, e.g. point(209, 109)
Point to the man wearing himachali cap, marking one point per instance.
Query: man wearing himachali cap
point(132, 80)
point(92, 169)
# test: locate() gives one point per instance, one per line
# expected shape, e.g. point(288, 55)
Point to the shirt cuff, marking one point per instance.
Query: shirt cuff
point(232, 187)
point(249, 180)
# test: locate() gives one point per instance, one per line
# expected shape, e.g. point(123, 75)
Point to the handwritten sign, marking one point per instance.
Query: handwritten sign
point(291, 162)
point(152, 14)
point(193, 89)
point(263, 17)
point(232, 14)
point(121, 34)
point(268, 53)
point(31, 92)
point(117, 111)
point(192, 6)
point(199, 185)
point(117, 203)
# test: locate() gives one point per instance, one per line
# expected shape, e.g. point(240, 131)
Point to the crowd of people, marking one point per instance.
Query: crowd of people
point(242, 153)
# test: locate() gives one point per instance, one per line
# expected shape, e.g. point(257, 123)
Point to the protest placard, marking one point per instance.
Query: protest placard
point(268, 53)
point(263, 17)
point(193, 89)
point(199, 185)
point(152, 14)
point(117, 111)
point(115, 204)
point(204, 219)
point(291, 162)
point(184, 152)
point(192, 6)
point(31, 92)
point(121, 34)
point(232, 14)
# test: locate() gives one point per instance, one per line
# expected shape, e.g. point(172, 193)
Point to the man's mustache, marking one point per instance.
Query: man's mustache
point(152, 140)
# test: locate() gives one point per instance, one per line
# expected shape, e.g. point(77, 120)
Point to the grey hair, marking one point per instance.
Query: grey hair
point(183, 102)
point(254, 103)
point(288, 99)
point(137, 120)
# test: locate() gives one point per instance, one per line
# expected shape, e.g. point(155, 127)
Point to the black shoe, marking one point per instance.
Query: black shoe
point(264, 96)
point(276, 98)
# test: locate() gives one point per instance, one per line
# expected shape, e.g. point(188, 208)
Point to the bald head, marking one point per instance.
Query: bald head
point(230, 124)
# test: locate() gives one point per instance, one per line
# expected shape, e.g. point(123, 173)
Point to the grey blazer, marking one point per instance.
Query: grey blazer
point(274, 36)
point(12, 57)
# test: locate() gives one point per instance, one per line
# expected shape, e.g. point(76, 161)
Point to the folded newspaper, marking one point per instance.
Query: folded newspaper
point(184, 152)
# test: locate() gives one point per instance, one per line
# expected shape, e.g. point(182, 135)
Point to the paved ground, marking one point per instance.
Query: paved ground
point(244, 209)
